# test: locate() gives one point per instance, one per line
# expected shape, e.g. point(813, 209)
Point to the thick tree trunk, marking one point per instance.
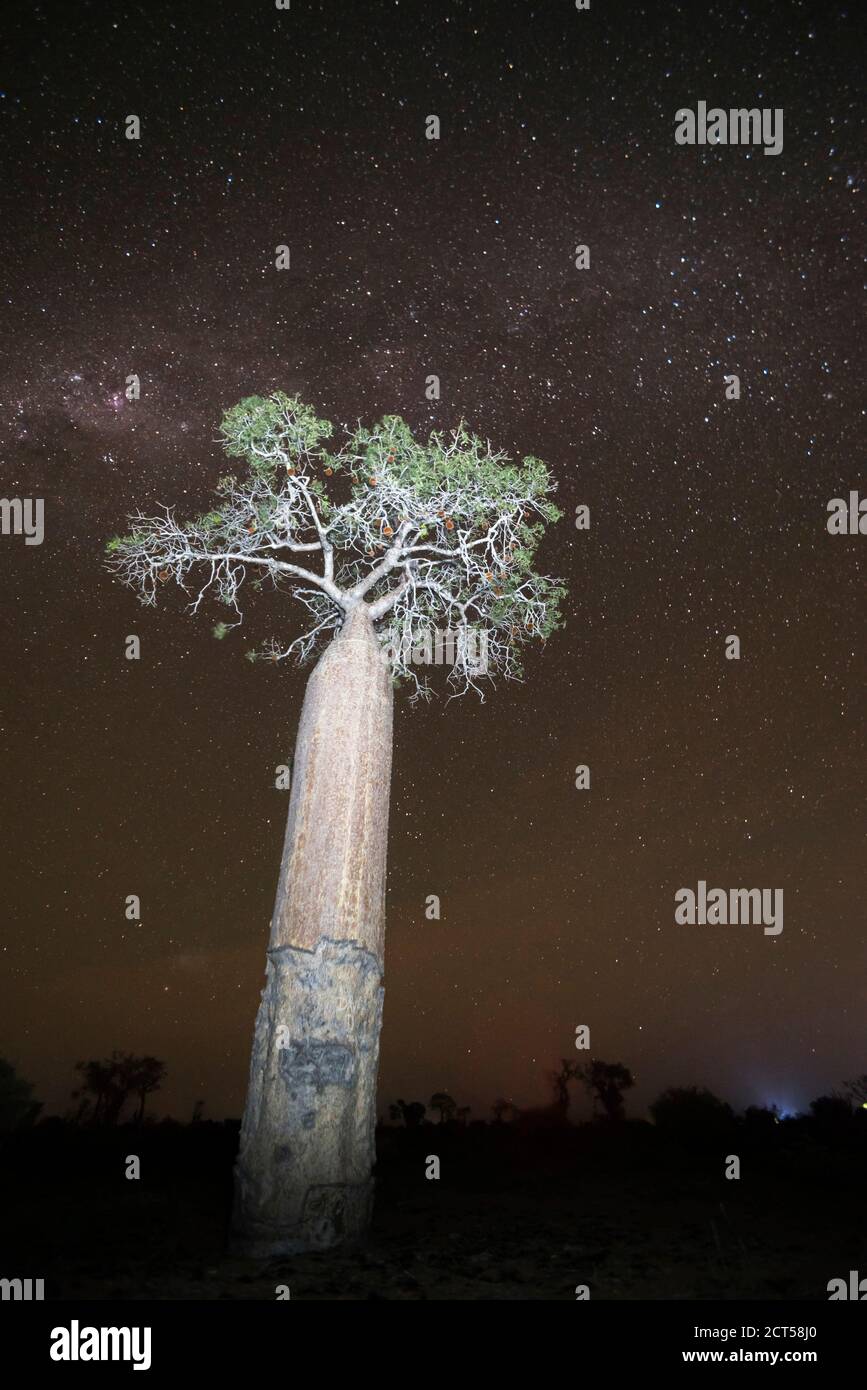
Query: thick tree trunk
point(303, 1176)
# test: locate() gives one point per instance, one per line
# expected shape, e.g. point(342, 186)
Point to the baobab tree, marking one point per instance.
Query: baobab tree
point(385, 542)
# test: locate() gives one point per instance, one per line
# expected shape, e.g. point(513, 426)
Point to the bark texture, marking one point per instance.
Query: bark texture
point(303, 1176)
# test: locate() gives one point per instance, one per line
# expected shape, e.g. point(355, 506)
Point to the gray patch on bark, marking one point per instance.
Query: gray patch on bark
point(307, 1143)
point(316, 1065)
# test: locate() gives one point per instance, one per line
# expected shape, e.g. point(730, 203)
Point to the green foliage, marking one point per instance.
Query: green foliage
point(460, 468)
point(118, 544)
point(473, 521)
point(272, 431)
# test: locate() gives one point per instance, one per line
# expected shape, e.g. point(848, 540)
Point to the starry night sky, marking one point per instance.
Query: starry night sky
point(456, 257)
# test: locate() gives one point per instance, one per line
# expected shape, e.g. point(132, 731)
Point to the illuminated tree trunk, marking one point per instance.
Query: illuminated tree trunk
point(303, 1176)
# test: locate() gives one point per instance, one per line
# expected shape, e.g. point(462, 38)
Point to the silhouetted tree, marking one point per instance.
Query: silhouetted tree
point(691, 1113)
point(857, 1089)
point(97, 1082)
point(502, 1107)
point(17, 1106)
point(146, 1075)
point(108, 1084)
point(761, 1120)
point(606, 1082)
point(831, 1115)
point(443, 1102)
point(569, 1071)
point(411, 1114)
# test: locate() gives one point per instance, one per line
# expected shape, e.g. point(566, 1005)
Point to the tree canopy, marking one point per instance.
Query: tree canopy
point(436, 536)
